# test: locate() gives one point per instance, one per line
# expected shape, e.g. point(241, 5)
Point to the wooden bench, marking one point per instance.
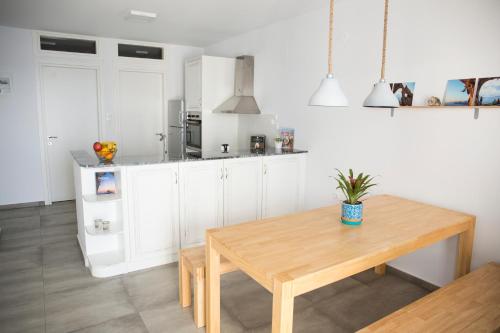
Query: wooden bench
point(192, 261)
point(469, 304)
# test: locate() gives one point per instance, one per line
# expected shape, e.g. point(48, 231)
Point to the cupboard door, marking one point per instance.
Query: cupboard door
point(242, 190)
point(200, 199)
point(193, 84)
point(153, 210)
point(283, 185)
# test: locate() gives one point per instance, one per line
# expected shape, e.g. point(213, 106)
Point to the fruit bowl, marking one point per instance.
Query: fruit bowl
point(105, 151)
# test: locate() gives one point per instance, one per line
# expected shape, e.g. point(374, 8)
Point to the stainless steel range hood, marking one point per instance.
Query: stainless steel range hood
point(243, 101)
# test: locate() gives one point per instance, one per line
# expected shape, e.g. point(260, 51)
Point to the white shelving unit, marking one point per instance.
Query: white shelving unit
point(104, 250)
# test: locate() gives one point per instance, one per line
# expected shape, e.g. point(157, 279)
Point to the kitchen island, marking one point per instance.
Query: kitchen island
point(163, 203)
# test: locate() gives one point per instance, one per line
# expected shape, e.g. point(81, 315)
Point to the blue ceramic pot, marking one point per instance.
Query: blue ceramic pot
point(352, 214)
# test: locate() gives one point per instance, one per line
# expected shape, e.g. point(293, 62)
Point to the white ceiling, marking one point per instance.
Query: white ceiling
point(187, 22)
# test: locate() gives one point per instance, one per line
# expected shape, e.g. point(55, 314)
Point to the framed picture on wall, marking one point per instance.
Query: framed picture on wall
point(488, 91)
point(5, 84)
point(460, 92)
point(404, 92)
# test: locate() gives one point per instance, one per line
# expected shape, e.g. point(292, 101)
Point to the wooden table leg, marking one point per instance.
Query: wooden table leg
point(464, 253)
point(380, 269)
point(213, 288)
point(282, 307)
point(184, 284)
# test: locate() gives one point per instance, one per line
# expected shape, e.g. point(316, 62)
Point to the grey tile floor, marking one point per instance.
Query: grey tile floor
point(45, 287)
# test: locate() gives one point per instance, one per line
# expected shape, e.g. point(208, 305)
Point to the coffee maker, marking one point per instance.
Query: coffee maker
point(258, 144)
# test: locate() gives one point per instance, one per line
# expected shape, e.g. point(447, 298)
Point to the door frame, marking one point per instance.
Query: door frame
point(42, 119)
point(136, 67)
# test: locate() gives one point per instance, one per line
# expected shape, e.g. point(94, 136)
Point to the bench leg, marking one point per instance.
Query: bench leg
point(380, 269)
point(184, 284)
point(199, 297)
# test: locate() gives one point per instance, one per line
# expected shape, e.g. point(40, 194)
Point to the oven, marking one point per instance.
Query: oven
point(193, 131)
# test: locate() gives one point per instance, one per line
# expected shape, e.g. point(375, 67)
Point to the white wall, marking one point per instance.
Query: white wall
point(21, 177)
point(20, 163)
point(441, 157)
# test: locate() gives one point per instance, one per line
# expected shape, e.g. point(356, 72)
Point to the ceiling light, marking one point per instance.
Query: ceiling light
point(139, 14)
point(382, 95)
point(329, 92)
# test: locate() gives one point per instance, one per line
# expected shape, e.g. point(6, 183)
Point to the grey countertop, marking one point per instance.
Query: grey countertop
point(87, 160)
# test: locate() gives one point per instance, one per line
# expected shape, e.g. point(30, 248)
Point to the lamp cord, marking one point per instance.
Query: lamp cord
point(330, 40)
point(384, 45)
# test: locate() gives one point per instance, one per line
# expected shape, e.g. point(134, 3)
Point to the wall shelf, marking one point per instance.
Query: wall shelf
point(450, 107)
point(421, 107)
point(114, 229)
point(102, 197)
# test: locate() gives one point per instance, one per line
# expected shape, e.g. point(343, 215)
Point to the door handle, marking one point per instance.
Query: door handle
point(52, 137)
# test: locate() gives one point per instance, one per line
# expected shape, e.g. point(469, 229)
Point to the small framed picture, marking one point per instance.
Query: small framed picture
point(5, 84)
point(288, 137)
point(460, 92)
point(105, 183)
point(488, 91)
point(404, 92)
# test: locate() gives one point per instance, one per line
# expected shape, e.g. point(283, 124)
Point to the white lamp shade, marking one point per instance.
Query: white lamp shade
point(381, 96)
point(329, 93)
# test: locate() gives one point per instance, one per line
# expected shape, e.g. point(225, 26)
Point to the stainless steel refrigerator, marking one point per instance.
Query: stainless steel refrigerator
point(176, 127)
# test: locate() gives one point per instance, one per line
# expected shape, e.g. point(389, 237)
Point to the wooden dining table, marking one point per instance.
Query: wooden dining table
point(294, 254)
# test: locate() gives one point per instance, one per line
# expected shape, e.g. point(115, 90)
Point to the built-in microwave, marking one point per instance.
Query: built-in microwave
point(193, 131)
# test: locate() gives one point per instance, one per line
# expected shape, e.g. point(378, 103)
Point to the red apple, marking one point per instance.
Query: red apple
point(97, 146)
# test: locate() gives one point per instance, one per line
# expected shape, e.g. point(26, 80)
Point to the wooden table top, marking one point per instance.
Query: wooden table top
point(469, 304)
point(314, 245)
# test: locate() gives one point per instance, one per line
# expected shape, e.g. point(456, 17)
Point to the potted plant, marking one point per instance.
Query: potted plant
point(354, 188)
point(278, 142)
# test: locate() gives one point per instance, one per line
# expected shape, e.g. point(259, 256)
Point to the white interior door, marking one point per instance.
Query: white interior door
point(140, 111)
point(71, 112)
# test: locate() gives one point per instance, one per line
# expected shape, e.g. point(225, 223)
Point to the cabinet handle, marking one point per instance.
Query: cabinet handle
point(226, 173)
point(265, 169)
point(176, 178)
point(221, 173)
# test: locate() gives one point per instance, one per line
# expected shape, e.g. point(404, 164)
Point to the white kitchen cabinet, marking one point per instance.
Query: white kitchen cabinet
point(209, 81)
point(283, 184)
point(153, 212)
point(161, 207)
point(242, 190)
point(192, 73)
point(201, 199)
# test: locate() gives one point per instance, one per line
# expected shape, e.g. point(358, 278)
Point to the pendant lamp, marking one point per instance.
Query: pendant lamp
point(329, 92)
point(382, 95)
